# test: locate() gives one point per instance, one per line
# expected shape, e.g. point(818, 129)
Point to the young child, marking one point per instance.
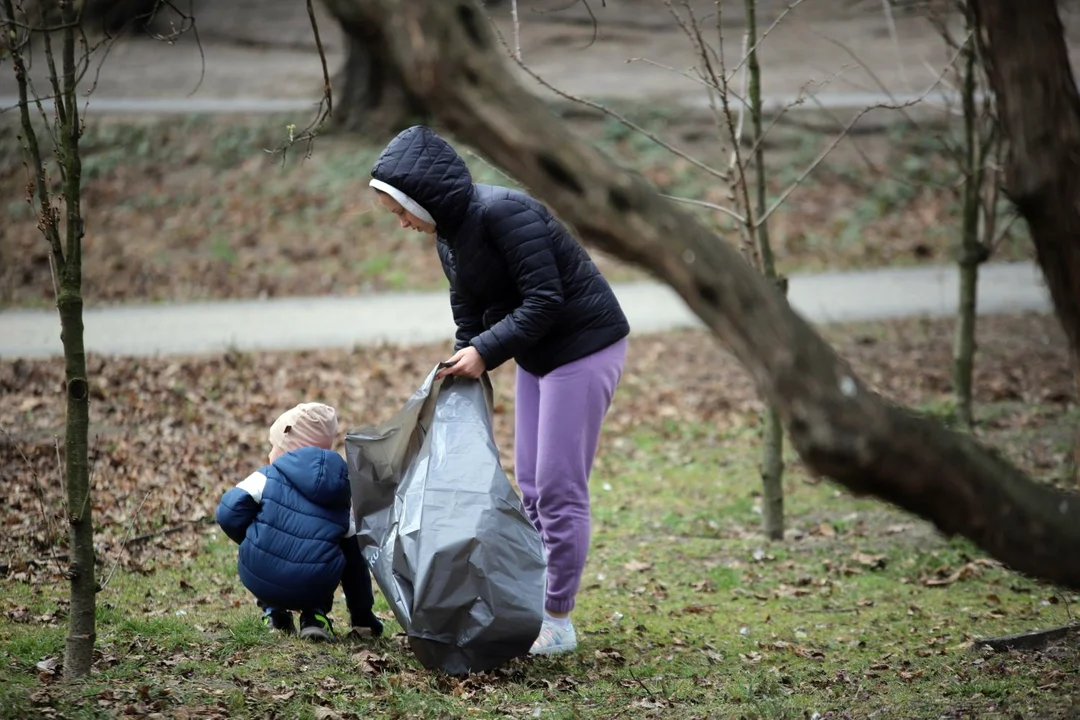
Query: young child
point(293, 521)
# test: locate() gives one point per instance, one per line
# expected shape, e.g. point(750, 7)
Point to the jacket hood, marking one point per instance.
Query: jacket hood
point(422, 165)
point(322, 476)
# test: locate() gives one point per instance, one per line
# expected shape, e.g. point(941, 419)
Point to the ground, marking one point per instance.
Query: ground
point(686, 612)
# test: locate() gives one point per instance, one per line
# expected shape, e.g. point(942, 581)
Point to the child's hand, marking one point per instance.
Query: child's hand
point(465, 363)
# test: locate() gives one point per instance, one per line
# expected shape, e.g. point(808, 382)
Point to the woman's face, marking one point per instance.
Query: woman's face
point(406, 218)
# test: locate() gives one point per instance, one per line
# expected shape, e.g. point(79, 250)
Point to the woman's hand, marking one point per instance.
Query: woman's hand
point(465, 363)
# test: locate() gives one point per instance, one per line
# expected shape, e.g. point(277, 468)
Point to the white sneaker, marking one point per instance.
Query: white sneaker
point(554, 639)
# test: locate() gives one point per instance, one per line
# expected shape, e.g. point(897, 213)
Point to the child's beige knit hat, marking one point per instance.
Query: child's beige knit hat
point(306, 425)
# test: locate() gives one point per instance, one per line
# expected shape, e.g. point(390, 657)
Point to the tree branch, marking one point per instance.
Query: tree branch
point(326, 104)
point(836, 141)
point(48, 216)
point(609, 112)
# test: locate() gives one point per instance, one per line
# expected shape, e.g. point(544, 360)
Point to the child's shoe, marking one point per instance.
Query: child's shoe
point(280, 620)
point(316, 626)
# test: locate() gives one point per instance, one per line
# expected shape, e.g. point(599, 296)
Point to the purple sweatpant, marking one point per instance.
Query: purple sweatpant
point(557, 428)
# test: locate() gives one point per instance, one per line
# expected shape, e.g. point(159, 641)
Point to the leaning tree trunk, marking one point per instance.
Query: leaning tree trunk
point(372, 97)
point(1023, 46)
point(843, 430)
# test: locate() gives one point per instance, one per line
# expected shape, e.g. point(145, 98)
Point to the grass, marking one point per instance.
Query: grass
point(686, 612)
point(193, 208)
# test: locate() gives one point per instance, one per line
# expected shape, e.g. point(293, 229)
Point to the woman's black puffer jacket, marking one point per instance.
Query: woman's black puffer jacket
point(521, 286)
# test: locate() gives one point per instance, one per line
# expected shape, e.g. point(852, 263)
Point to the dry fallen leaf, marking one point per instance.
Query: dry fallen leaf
point(370, 662)
point(637, 566)
point(610, 655)
point(704, 586)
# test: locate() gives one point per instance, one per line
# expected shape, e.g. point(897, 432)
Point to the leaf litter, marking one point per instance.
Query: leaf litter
point(169, 435)
point(179, 431)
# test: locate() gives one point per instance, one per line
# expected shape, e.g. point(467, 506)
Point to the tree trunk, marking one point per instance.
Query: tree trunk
point(373, 98)
point(1072, 460)
point(66, 259)
point(772, 459)
point(81, 627)
point(841, 429)
point(971, 252)
point(1023, 46)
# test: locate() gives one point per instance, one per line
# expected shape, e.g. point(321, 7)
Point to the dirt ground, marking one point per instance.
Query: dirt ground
point(265, 50)
point(151, 417)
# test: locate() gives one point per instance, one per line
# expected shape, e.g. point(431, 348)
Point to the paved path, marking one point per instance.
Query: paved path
point(413, 318)
point(837, 101)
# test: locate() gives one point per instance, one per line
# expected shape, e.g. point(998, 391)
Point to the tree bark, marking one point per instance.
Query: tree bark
point(66, 258)
point(971, 252)
point(79, 652)
point(772, 458)
point(373, 98)
point(450, 58)
point(1023, 47)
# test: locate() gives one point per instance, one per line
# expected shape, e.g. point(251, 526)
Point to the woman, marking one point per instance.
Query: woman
point(521, 288)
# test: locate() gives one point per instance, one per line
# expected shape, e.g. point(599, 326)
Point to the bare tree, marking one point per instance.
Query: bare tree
point(977, 157)
point(772, 459)
point(751, 198)
point(50, 130)
point(839, 426)
point(61, 222)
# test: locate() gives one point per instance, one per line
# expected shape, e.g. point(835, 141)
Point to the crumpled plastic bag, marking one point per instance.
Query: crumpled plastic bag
point(444, 532)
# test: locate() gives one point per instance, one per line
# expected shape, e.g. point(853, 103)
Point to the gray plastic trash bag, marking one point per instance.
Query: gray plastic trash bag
point(445, 534)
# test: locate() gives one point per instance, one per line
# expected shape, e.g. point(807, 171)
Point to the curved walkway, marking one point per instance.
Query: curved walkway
point(415, 318)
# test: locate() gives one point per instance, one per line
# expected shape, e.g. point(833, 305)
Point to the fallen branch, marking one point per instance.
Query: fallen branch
point(1027, 641)
point(839, 427)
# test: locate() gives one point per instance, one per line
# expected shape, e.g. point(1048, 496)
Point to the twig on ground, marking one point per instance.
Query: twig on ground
point(638, 680)
point(123, 544)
